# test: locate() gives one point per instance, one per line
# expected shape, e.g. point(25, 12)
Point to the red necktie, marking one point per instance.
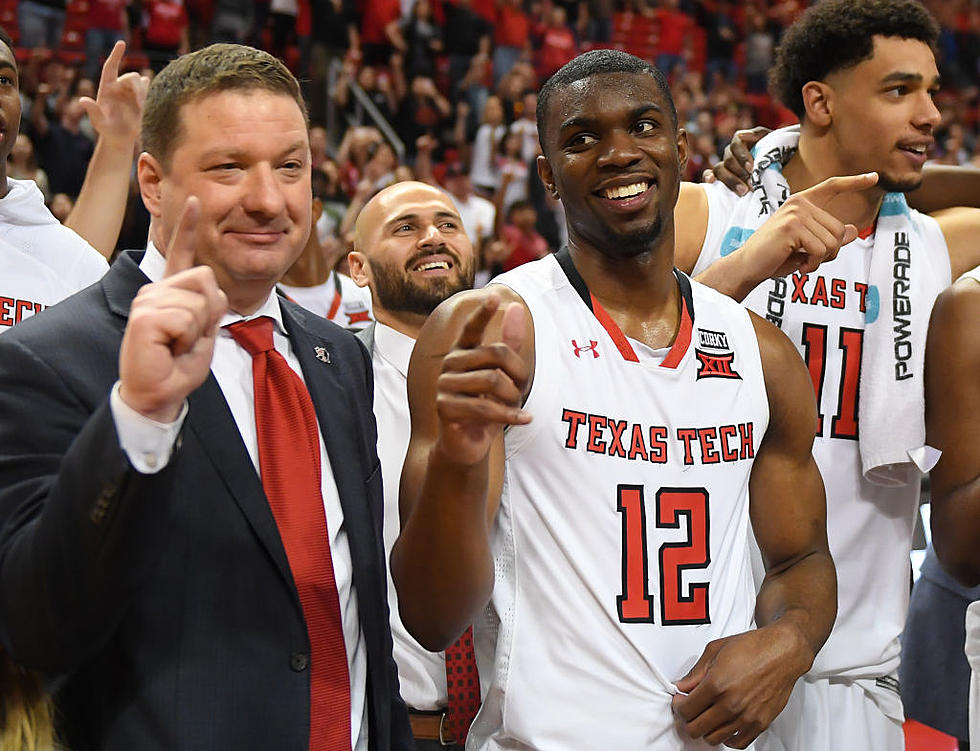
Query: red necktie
point(463, 686)
point(289, 460)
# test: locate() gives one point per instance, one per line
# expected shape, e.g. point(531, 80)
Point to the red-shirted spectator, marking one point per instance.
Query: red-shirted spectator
point(511, 36)
point(558, 45)
point(166, 31)
point(674, 34)
point(107, 25)
point(375, 17)
point(519, 233)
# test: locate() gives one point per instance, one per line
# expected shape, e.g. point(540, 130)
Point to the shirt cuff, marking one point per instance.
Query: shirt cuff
point(148, 444)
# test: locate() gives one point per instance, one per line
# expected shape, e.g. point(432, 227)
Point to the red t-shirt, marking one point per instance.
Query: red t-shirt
point(106, 14)
point(513, 27)
point(674, 27)
point(375, 16)
point(525, 247)
point(557, 48)
point(167, 19)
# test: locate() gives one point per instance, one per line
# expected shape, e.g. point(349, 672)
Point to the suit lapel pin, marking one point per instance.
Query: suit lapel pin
point(321, 354)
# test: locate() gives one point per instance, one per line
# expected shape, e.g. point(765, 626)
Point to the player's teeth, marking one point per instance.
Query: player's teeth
point(433, 265)
point(626, 191)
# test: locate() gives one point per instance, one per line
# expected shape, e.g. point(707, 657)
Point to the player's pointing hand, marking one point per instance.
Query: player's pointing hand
point(483, 380)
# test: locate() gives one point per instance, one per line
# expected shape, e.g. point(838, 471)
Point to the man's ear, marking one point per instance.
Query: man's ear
point(357, 264)
point(682, 151)
point(818, 100)
point(547, 176)
point(150, 174)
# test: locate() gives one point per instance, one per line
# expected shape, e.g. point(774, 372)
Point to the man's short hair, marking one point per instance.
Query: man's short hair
point(7, 40)
point(594, 63)
point(835, 35)
point(211, 70)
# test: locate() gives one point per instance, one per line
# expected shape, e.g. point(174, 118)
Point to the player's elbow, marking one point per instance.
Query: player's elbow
point(960, 561)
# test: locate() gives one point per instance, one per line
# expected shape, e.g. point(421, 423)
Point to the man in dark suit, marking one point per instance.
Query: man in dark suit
point(147, 565)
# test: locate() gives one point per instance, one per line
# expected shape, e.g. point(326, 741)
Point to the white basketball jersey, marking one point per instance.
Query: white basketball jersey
point(869, 526)
point(621, 543)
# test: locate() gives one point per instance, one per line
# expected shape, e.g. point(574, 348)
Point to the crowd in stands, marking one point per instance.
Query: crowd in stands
point(444, 89)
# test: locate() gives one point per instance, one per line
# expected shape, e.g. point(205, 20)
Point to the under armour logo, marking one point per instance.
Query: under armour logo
point(591, 347)
point(321, 354)
point(716, 366)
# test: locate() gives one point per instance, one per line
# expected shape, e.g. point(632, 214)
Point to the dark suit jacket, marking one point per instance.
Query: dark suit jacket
point(161, 607)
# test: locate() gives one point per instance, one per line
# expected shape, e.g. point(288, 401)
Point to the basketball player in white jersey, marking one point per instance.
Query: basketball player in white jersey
point(861, 75)
point(607, 537)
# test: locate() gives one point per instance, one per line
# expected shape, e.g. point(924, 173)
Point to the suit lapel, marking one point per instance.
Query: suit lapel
point(340, 425)
point(211, 421)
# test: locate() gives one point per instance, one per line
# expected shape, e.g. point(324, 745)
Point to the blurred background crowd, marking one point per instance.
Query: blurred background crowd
point(440, 89)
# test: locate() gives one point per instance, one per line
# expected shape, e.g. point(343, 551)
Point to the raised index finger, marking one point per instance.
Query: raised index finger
point(180, 251)
point(472, 332)
point(822, 193)
point(110, 69)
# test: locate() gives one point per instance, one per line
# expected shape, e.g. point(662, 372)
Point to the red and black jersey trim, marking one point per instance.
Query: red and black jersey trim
point(684, 332)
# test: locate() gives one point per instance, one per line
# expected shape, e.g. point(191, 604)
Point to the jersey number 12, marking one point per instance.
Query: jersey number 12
point(635, 605)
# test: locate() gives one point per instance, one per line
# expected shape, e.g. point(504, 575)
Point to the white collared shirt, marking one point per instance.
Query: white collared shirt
point(421, 674)
point(149, 444)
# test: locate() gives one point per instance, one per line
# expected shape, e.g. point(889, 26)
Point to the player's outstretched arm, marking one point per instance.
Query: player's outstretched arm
point(469, 374)
point(943, 185)
point(742, 682)
point(800, 236)
point(952, 405)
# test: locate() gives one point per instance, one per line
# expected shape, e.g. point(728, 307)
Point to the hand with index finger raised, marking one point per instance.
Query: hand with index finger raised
point(169, 339)
point(803, 233)
point(483, 379)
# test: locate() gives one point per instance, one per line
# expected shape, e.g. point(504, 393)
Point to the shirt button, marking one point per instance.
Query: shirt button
point(151, 460)
point(298, 661)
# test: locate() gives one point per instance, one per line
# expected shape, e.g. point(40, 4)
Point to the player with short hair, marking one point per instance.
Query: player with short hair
point(861, 75)
point(609, 536)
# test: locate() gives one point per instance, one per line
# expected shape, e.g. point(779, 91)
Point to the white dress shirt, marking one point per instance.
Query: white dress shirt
point(149, 444)
point(421, 674)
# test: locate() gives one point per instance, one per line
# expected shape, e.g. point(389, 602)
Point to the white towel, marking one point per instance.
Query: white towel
point(901, 291)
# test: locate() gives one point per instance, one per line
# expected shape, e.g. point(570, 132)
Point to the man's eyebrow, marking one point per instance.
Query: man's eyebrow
point(582, 121)
point(901, 76)
point(235, 153)
point(409, 217)
point(8, 64)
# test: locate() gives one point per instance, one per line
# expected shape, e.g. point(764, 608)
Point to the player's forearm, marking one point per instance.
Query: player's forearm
point(801, 599)
point(955, 524)
point(101, 205)
point(441, 563)
point(945, 186)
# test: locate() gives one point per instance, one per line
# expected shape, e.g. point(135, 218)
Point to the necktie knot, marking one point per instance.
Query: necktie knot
point(255, 336)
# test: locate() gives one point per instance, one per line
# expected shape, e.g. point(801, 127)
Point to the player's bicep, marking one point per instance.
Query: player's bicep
point(691, 213)
point(788, 504)
point(952, 387)
point(960, 227)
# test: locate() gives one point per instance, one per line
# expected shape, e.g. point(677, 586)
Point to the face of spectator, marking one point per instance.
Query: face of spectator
point(9, 105)
point(493, 111)
point(22, 150)
point(890, 95)
point(246, 156)
point(411, 249)
point(614, 155)
point(318, 140)
point(524, 218)
point(367, 78)
point(86, 88)
point(61, 206)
